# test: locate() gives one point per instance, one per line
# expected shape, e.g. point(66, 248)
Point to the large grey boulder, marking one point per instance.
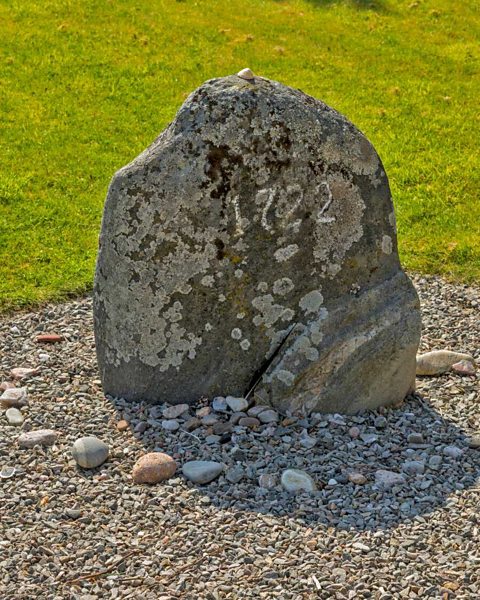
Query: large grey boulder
point(254, 242)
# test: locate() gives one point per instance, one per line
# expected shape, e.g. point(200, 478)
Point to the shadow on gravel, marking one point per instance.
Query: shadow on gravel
point(428, 454)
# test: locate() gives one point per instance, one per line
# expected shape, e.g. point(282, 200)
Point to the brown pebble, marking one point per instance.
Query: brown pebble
point(49, 338)
point(221, 428)
point(203, 412)
point(250, 422)
point(153, 468)
point(22, 372)
point(192, 424)
point(122, 425)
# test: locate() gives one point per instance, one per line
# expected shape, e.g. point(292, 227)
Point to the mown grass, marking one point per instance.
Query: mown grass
point(85, 85)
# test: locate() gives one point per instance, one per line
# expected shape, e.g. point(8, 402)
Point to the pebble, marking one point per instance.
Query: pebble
point(170, 425)
point(437, 362)
point(267, 481)
point(219, 404)
point(210, 419)
point(14, 398)
point(89, 452)
point(173, 412)
point(49, 338)
point(354, 432)
point(357, 478)
point(212, 439)
point(453, 452)
point(203, 412)
point(415, 438)
point(236, 404)
point(40, 437)
point(221, 428)
point(250, 422)
point(14, 417)
point(368, 438)
point(7, 472)
point(474, 441)
point(413, 467)
point(380, 422)
point(202, 471)
point(122, 425)
point(141, 427)
point(434, 462)
point(22, 373)
point(235, 418)
point(73, 513)
point(388, 479)
point(268, 416)
point(295, 480)
point(193, 423)
point(153, 467)
point(235, 475)
point(254, 411)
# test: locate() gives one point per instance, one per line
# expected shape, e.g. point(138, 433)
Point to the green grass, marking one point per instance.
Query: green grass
point(85, 85)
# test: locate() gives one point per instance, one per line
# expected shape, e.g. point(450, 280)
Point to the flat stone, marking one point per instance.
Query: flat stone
point(357, 478)
point(221, 428)
point(453, 452)
point(14, 398)
point(439, 361)
point(210, 419)
point(203, 412)
point(202, 471)
point(268, 416)
point(413, 467)
point(170, 425)
point(415, 438)
point(173, 412)
point(250, 422)
point(294, 480)
point(73, 513)
point(141, 427)
point(153, 467)
point(235, 418)
point(40, 437)
point(259, 221)
point(212, 439)
point(236, 404)
point(368, 438)
point(23, 373)
point(14, 417)
point(254, 411)
point(388, 479)
point(89, 452)
point(193, 423)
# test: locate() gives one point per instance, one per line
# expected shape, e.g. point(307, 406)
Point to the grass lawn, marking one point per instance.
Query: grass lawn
point(85, 85)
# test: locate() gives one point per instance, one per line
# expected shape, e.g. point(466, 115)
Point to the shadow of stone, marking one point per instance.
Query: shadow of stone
point(382, 444)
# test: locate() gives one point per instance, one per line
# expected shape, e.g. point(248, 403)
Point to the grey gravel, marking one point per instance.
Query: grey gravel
point(223, 540)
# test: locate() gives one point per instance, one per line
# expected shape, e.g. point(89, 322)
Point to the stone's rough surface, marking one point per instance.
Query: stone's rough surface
point(153, 468)
point(202, 471)
point(259, 221)
point(22, 372)
point(440, 361)
point(40, 437)
point(14, 397)
point(294, 480)
point(236, 404)
point(173, 412)
point(89, 452)
point(388, 479)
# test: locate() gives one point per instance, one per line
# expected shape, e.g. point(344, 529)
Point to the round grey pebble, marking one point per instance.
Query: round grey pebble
point(202, 471)
point(89, 452)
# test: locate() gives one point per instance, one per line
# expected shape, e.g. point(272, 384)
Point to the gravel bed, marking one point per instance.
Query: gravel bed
point(67, 532)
